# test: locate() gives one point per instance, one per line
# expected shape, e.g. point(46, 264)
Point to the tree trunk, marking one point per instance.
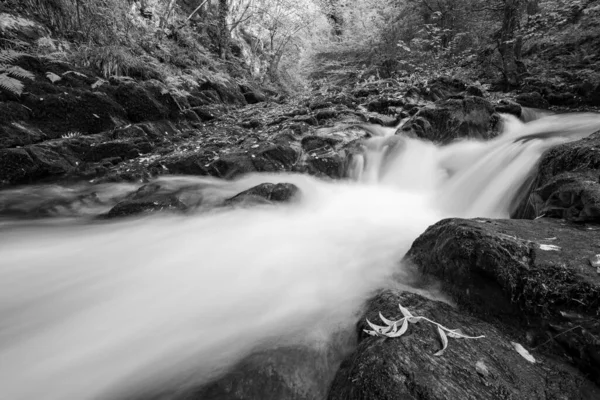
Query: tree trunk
point(509, 43)
point(223, 30)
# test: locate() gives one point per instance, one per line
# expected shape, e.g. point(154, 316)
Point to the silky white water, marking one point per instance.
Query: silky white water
point(102, 310)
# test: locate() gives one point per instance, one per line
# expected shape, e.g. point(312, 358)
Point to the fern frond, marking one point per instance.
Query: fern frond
point(71, 135)
point(10, 56)
point(19, 72)
point(10, 84)
point(75, 73)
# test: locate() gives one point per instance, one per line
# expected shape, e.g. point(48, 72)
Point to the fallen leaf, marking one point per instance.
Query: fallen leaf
point(385, 320)
point(444, 341)
point(482, 369)
point(401, 331)
point(523, 352)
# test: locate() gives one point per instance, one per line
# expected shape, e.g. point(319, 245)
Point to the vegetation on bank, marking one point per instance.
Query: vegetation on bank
point(288, 46)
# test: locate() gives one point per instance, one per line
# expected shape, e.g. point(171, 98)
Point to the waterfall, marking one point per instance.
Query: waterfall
point(99, 310)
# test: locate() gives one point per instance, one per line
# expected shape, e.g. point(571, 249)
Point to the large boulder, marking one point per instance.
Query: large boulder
point(451, 119)
point(567, 183)
point(537, 276)
point(408, 368)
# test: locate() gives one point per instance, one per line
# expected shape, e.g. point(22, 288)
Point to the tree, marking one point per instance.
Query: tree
point(223, 29)
point(510, 44)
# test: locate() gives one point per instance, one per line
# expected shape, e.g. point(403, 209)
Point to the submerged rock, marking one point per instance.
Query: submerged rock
point(532, 276)
point(487, 368)
point(287, 373)
point(265, 193)
point(447, 120)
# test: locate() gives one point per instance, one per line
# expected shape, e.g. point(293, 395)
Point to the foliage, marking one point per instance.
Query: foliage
point(11, 75)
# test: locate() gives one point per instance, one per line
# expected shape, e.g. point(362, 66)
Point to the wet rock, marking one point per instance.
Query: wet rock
point(145, 202)
point(323, 156)
point(265, 193)
point(50, 162)
point(265, 158)
point(532, 99)
point(508, 107)
point(125, 149)
point(488, 368)
point(566, 184)
point(447, 120)
point(16, 166)
point(527, 275)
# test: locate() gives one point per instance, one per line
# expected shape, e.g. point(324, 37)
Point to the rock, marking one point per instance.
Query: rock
point(562, 99)
point(147, 199)
point(252, 94)
point(325, 114)
point(594, 97)
point(439, 89)
point(382, 104)
point(265, 158)
point(19, 134)
point(532, 99)
point(265, 193)
point(49, 162)
point(283, 373)
point(567, 183)
point(139, 103)
point(323, 156)
point(125, 149)
point(228, 91)
point(528, 275)
point(508, 107)
point(76, 110)
point(447, 120)
point(406, 367)
point(16, 166)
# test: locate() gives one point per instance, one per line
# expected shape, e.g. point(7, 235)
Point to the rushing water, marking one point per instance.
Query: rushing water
point(99, 310)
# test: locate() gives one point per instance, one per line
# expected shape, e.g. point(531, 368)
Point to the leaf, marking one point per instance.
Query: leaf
point(523, 352)
point(404, 311)
point(379, 329)
point(444, 341)
point(401, 331)
point(384, 319)
point(12, 85)
point(53, 77)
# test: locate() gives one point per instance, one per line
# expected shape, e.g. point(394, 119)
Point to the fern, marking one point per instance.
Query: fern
point(10, 56)
point(16, 71)
point(10, 74)
point(71, 135)
point(10, 84)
